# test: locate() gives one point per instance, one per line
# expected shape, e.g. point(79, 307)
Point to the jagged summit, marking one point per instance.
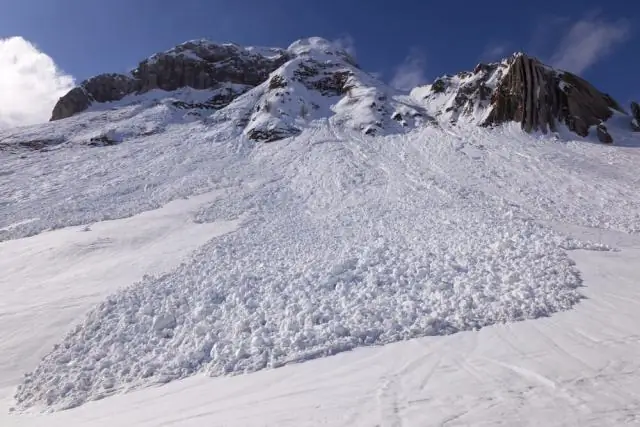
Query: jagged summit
point(272, 93)
point(521, 89)
point(198, 64)
point(318, 46)
point(265, 93)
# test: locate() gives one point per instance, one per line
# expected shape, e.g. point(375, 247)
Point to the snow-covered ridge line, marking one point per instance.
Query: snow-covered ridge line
point(198, 64)
point(524, 90)
point(518, 88)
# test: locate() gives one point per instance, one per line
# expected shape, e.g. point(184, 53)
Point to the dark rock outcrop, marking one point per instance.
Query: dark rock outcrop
point(635, 116)
point(102, 88)
point(270, 135)
point(520, 89)
point(196, 64)
point(539, 97)
point(603, 134)
point(330, 79)
point(203, 65)
point(15, 145)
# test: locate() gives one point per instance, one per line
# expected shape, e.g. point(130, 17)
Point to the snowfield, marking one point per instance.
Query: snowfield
point(147, 242)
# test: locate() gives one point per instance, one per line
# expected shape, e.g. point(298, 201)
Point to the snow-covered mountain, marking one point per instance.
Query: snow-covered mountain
point(372, 216)
point(272, 93)
point(266, 93)
point(524, 90)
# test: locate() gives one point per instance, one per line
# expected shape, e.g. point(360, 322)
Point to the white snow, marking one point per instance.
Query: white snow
point(340, 240)
point(577, 368)
point(319, 48)
point(344, 242)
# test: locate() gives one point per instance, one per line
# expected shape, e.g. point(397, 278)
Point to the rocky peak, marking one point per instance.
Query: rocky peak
point(198, 64)
point(524, 90)
point(203, 65)
point(320, 83)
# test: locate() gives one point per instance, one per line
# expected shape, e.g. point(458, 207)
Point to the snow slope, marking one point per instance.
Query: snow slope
point(343, 241)
point(576, 368)
point(369, 225)
point(50, 280)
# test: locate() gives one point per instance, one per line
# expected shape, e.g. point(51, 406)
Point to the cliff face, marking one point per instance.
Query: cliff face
point(102, 88)
point(197, 64)
point(203, 65)
point(298, 80)
point(540, 97)
point(520, 89)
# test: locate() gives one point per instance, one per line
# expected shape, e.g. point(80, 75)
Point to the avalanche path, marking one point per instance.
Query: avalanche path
point(342, 241)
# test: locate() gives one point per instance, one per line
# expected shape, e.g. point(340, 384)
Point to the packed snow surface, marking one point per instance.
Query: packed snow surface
point(342, 241)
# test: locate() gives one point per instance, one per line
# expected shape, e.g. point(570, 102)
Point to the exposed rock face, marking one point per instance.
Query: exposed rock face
point(539, 97)
point(603, 134)
point(102, 88)
point(323, 77)
point(197, 64)
point(520, 89)
point(202, 65)
point(635, 116)
point(75, 101)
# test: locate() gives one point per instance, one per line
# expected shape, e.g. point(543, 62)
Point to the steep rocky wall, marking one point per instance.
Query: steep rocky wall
point(540, 97)
point(102, 88)
point(203, 67)
point(196, 64)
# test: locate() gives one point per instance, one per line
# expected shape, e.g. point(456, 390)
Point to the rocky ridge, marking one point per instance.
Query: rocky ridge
point(521, 89)
point(198, 64)
point(272, 93)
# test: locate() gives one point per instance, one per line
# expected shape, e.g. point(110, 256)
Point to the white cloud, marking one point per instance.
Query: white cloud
point(588, 41)
point(494, 51)
point(411, 72)
point(346, 43)
point(30, 83)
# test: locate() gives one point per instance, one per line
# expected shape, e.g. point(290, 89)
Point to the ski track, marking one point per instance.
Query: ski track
point(340, 241)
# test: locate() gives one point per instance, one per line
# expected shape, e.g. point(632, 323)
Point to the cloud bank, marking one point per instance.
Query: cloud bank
point(587, 42)
point(30, 83)
point(411, 72)
point(346, 43)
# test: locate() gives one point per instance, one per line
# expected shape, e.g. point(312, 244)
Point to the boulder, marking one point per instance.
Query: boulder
point(102, 88)
point(603, 134)
point(635, 116)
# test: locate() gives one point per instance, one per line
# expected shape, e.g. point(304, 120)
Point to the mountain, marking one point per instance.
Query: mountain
point(267, 93)
point(154, 234)
point(271, 93)
point(521, 89)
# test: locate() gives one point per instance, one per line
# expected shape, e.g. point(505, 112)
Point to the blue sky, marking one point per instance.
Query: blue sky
point(411, 41)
